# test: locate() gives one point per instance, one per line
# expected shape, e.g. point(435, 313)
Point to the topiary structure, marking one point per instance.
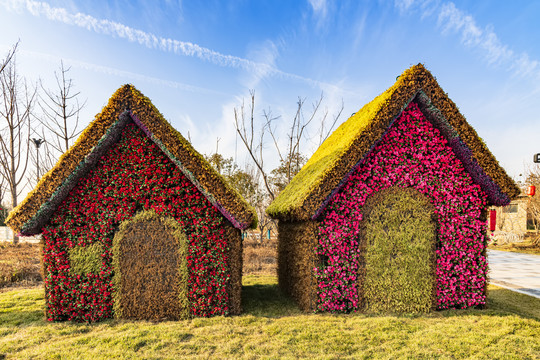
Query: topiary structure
point(397, 251)
point(151, 274)
point(128, 160)
point(410, 136)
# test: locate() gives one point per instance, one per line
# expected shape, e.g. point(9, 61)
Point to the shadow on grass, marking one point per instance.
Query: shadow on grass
point(500, 303)
point(262, 297)
point(22, 318)
point(503, 300)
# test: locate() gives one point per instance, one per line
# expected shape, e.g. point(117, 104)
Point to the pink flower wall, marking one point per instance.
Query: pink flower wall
point(412, 153)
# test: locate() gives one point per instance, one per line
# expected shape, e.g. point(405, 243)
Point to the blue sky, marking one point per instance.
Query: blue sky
point(197, 60)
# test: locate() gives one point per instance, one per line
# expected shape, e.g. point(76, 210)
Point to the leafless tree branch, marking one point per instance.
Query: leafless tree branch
point(324, 134)
point(247, 135)
point(17, 101)
point(8, 57)
point(61, 109)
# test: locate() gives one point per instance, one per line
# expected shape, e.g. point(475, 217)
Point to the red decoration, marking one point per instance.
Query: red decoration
point(492, 219)
point(532, 190)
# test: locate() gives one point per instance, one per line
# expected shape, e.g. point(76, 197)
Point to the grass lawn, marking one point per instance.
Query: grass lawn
point(272, 327)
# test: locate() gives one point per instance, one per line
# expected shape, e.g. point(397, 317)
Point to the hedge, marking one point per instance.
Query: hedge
point(133, 176)
point(397, 236)
point(151, 274)
point(412, 154)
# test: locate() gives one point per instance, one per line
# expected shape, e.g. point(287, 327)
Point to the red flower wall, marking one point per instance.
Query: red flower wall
point(411, 154)
point(134, 175)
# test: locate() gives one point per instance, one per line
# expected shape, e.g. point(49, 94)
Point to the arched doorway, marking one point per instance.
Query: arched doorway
point(397, 252)
point(149, 260)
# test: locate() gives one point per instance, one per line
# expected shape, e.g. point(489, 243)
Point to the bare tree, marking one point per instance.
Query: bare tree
point(324, 133)
point(15, 112)
point(245, 128)
point(8, 57)
point(290, 157)
point(3, 65)
point(3, 208)
point(61, 110)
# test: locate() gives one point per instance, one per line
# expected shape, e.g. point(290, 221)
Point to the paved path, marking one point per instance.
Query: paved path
point(515, 271)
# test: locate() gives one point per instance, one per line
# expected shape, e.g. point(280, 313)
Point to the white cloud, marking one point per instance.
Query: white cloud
point(263, 53)
point(484, 39)
point(321, 12)
point(453, 19)
point(148, 40)
point(320, 7)
point(189, 130)
point(404, 5)
point(524, 66)
point(426, 7)
point(117, 72)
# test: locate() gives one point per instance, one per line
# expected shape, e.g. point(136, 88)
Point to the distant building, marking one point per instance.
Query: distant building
point(512, 218)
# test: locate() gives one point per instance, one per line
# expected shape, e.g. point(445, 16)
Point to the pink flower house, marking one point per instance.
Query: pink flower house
point(407, 166)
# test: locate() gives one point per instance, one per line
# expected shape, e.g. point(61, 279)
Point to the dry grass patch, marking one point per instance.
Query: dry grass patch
point(259, 258)
point(19, 264)
point(529, 246)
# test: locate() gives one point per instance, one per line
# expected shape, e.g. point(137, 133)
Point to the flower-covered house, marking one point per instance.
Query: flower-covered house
point(135, 223)
point(390, 212)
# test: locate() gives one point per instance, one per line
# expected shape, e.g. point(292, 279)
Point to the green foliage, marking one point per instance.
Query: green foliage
point(243, 182)
point(281, 176)
point(400, 234)
point(86, 259)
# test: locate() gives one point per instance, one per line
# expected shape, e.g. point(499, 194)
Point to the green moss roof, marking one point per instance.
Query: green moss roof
point(351, 142)
point(35, 210)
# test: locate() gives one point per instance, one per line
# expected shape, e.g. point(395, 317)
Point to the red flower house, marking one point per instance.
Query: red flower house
point(390, 212)
point(135, 223)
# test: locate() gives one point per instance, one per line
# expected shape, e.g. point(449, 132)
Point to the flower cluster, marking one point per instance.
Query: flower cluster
point(133, 175)
point(412, 153)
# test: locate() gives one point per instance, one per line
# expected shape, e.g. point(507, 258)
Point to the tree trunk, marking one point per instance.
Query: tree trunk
point(14, 202)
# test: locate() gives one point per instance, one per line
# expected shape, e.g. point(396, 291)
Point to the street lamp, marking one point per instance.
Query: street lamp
point(38, 143)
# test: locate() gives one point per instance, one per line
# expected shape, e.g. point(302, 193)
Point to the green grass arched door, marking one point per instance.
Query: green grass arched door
point(397, 244)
